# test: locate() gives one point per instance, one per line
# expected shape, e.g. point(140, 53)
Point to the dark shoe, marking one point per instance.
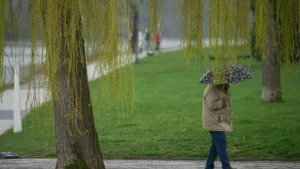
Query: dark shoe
point(231, 168)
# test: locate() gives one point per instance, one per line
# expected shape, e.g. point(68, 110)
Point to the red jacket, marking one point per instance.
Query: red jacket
point(157, 37)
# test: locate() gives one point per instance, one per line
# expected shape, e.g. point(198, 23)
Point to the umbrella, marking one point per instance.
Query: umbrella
point(232, 73)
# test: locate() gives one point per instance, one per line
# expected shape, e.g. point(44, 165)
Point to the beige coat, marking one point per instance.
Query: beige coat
point(216, 114)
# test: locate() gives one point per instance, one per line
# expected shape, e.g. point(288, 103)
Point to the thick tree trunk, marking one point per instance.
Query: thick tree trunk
point(77, 144)
point(271, 91)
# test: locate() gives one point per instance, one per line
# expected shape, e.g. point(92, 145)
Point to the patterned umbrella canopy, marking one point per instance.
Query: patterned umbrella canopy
point(226, 74)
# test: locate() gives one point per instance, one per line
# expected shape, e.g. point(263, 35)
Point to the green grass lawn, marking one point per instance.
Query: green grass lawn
point(166, 120)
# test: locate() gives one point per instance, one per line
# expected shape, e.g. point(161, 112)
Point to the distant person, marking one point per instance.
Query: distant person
point(148, 42)
point(157, 41)
point(141, 42)
point(216, 118)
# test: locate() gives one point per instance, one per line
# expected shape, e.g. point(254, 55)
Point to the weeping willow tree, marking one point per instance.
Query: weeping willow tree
point(69, 30)
point(277, 32)
point(276, 35)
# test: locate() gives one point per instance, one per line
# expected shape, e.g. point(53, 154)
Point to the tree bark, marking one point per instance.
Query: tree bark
point(271, 91)
point(134, 37)
point(77, 144)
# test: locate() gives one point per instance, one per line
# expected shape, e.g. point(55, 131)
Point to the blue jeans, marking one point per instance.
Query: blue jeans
point(218, 147)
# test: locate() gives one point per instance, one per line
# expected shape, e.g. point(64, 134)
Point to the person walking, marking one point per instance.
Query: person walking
point(148, 42)
point(141, 42)
point(157, 41)
point(216, 118)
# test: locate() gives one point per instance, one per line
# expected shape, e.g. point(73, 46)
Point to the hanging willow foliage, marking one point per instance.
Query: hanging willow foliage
point(58, 31)
point(228, 29)
point(260, 26)
point(106, 28)
point(283, 19)
point(104, 24)
point(191, 28)
point(154, 12)
point(11, 27)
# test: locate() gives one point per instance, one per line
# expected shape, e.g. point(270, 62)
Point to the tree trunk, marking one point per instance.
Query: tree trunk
point(134, 37)
point(77, 144)
point(271, 91)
